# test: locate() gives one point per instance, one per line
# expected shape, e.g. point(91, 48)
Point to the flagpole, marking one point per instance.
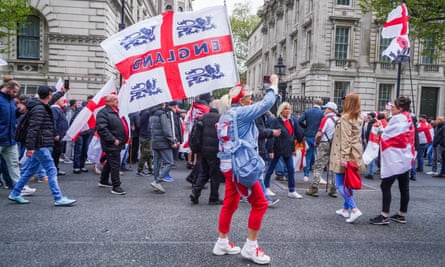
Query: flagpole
point(399, 71)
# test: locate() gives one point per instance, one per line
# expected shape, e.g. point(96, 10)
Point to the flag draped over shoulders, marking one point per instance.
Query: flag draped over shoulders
point(173, 56)
point(397, 145)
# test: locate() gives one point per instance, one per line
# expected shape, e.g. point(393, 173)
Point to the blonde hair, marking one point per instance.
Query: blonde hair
point(282, 107)
point(351, 106)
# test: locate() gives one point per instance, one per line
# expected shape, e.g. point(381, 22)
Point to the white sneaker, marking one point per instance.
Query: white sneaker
point(256, 255)
point(67, 161)
point(354, 216)
point(270, 193)
point(431, 173)
point(27, 191)
point(322, 181)
point(294, 195)
point(342, 212)
point(158, 187)
point(230, 249)
point(306, 179)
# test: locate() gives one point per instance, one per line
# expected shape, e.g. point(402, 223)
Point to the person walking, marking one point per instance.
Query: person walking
point(162, 143)
point(397, 150)
point(426, 134)
point(310, 121)
point(145, 157)
point(205, 140)
point(8, 122)
point(247, 130)
point(439, 145)
point(347, 147)
point(39, 143)
point(114, 134)
point(283, 147)
point(61, 126)
point(323, 141)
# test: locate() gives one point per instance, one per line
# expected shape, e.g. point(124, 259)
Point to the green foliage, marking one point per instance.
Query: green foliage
point(426, 19)
point(242, 24)
point(13, 15)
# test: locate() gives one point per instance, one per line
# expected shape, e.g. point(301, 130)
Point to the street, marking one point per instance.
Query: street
point(143, 228)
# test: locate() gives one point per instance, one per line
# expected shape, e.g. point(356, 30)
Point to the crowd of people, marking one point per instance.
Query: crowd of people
point(156, 137)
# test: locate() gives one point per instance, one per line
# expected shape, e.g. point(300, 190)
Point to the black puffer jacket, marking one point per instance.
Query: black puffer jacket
point(109, 126)
point(161, 129)
point(206, 137)
point(41, 131)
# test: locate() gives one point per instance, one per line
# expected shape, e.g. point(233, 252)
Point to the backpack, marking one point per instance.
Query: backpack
point(195, 137)
point(247, 164)
point(22, 128)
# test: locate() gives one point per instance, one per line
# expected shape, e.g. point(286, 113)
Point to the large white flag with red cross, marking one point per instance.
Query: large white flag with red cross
point(173, 56)
point(86, 119)
point(397, 27)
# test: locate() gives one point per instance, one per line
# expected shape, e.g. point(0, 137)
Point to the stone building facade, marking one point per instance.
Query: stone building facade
point(62, 40)
point(331, 48)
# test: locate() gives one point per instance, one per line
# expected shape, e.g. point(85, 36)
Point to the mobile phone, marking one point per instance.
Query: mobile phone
point(66, 84)
point(266, 79)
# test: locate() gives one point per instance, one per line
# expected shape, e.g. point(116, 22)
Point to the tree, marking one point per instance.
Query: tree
point(13, 15)
point(243, 25)
point(426, 19)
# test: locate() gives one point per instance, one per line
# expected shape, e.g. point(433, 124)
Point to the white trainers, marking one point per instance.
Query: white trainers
point(256, 255)
point(306, 179)
point(432, 173)
point(322, 181)
point(230, 249)
point(294, 195)
point(27, 191)
point(158, 187)
point(354, 216)
point(342, 212)
point(270, 193)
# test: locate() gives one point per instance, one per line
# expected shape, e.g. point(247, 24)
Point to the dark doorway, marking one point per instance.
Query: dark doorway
point(428, 101)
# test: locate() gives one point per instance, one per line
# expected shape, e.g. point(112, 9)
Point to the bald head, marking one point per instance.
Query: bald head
point(440, 119)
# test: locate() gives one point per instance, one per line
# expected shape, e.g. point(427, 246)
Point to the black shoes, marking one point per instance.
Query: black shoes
point(216, 202)
point(118, 191)
point(379, 220)
point(413, 178)
point(398, 218)
point(61, 173)
point(194, 199)
point(369, 176)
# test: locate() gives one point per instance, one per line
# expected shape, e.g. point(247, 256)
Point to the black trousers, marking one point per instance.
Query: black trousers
point(112, 167)
point(208, 169)
point(386, 184)
point(57, 151)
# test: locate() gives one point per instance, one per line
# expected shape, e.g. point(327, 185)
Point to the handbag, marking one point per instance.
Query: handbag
point(353, 179)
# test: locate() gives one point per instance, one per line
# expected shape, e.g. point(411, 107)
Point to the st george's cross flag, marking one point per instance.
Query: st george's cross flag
point(397, 27)
point(174, 56)
point(86, 119)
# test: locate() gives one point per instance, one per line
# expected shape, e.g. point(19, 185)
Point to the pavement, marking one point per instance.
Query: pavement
point(144, 228)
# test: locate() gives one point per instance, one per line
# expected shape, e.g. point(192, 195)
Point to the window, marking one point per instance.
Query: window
point(308, 45)
point(295, 57)
point(340, 91)
point(28, 89)
point(28, 39)
point(310, 6)
point(343, 2)
point(384, 43)
point(428, 51)
point(341, 42)
point(385, 95)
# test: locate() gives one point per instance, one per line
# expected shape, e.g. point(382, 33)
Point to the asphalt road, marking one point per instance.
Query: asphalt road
point(144, 228)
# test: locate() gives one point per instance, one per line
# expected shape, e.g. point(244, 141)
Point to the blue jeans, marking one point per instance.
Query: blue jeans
point(420, 157)
point(81, 150)
point(41, 156)
point(289, 161)
point(371, 167)
point(41, 173)
point(280, 169)
point(310, 154)
point(429, 154)
point(165, 157)
point(349, 200)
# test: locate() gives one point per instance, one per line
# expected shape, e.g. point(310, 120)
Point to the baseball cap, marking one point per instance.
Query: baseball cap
point(372, 114)
point(43, 91)
point(330, 105)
